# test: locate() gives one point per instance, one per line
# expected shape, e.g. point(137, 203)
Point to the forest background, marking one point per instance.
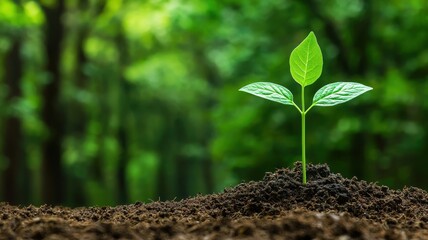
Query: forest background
point(106, 102)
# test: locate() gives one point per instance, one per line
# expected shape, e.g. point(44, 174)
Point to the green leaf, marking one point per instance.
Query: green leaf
point(338, 92)
point(306, 61)
point(270, 91)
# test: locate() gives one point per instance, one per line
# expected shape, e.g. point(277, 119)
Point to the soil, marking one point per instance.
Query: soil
point(277, 207)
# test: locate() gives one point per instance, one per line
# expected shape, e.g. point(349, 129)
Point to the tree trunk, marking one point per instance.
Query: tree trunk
point(164, 147)
point(180, 160)
point(121, 168)
point(122, 132)
point(52, 173)
point(12, 143)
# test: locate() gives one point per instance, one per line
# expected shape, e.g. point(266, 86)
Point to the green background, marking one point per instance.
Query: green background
point(117, 101)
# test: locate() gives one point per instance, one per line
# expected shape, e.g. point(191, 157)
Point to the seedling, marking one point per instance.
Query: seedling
point(306, 67)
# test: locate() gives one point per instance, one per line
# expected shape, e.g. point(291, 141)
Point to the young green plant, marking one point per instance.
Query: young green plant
point(306, 67)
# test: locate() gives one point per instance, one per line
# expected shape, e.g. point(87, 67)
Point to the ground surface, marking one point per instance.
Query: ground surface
point(278, 207)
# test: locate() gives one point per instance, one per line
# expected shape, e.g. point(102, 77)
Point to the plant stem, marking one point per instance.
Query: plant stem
point(303, 113)
point(297, 107)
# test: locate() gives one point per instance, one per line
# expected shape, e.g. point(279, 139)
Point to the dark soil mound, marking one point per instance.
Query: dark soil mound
point(278, 207)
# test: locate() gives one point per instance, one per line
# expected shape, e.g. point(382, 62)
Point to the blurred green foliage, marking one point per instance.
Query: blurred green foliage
point(149, 99)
